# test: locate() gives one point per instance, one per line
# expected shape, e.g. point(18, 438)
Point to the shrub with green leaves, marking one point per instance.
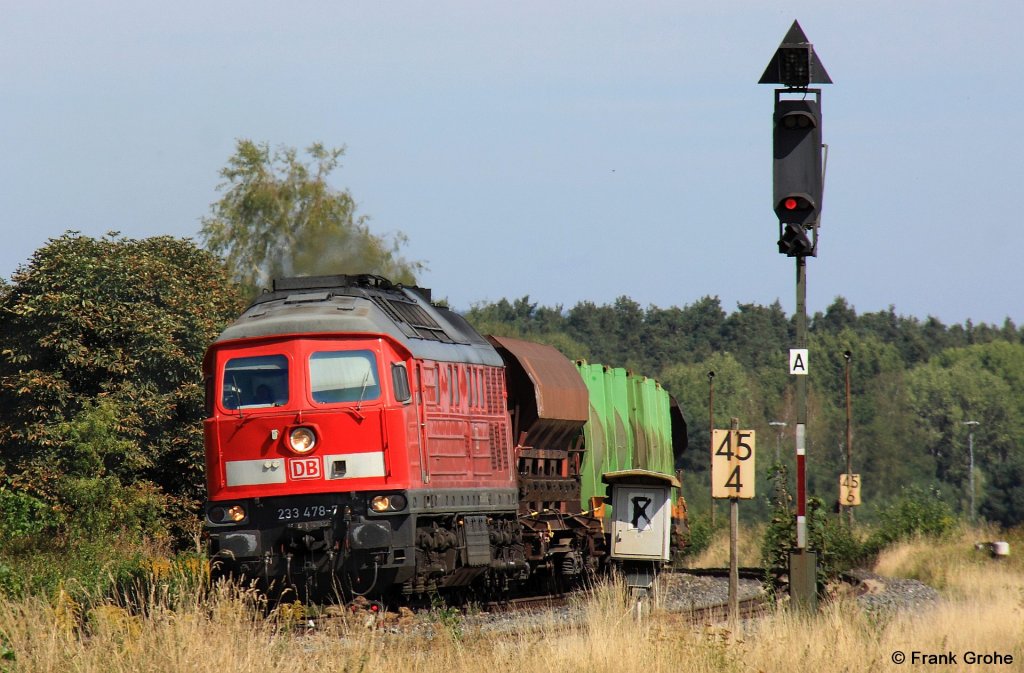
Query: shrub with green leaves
point(700, 535)
point(837, 547)
point(100, 372)
point(916, 511)
point(21, 514)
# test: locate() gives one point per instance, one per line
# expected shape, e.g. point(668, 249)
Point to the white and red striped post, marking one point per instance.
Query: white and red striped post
point(802, 562)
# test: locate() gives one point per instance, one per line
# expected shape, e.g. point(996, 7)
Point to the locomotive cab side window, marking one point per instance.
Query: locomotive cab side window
point(343, 376)
point(255, 382)
point(400, 380)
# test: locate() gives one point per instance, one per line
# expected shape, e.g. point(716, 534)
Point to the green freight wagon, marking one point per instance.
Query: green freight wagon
point(572, 423)
point(633, 424)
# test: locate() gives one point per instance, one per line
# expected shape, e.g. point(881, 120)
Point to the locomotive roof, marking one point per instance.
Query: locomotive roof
point(363, 303)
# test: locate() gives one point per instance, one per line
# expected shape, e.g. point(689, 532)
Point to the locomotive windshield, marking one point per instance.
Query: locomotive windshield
point(343, 376)
point(260, 381)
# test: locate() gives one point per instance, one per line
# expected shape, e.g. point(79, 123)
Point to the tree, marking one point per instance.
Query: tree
point(279, 217)
point(523, 319)
point(100, 373)
point(735, 396)
point(949, 390)
point(757, 335)
point(1004, 502)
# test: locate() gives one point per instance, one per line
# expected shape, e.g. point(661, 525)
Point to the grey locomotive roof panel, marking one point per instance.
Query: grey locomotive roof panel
point(327, 304)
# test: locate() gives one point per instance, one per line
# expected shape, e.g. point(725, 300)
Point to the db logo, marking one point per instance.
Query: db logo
point(304, 468)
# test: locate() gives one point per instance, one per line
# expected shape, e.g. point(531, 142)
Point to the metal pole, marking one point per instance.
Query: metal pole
point(734, 532)
point(711, 439)
point(801, 406)
point(970, 459)
point(802, 562)
point(970, 476)
point(778, 425)
point(849, 432)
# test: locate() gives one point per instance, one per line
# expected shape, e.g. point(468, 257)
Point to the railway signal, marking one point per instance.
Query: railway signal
point(797, 189)
point(797, 186)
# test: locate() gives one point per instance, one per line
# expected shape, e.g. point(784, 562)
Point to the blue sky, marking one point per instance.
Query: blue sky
point(563, 150)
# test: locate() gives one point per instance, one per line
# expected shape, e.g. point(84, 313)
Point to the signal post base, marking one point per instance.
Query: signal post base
point(803, 580)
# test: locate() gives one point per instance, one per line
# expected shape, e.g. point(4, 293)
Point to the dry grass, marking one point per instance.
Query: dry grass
point(748, 545)
point(226, 631)
point(957, 568)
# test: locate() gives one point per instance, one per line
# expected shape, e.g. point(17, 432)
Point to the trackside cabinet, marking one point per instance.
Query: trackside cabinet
point(641, 521)
point(641, 526)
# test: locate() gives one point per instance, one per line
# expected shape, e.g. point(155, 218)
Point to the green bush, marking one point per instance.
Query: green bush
point(917, 511)
point(780, 534)
point(22, 514)
point(11, 583)
point(838, 548)
point(80, 567)
point(700, 536)
point(98, 507)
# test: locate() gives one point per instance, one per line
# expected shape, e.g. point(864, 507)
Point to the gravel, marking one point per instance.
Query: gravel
point(677, 592)
point(878, 594)
point(681, 592)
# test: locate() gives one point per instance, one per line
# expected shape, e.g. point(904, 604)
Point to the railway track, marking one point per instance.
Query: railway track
point(748, 608)
point(536, 613)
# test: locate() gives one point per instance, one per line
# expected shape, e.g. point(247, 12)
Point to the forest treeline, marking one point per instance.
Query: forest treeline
point(914, 384)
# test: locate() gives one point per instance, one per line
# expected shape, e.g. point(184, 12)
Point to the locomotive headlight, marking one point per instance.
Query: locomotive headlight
point(388, 503)
point(236, 513)
point(302, 440)
point(227, 515)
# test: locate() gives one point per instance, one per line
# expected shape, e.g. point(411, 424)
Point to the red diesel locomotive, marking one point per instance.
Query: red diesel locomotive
point(359, 441)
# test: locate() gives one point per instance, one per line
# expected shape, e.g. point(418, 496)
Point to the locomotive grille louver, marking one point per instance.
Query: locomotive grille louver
point(412, 319)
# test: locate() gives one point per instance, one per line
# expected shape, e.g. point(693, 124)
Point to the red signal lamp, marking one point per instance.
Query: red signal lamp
point(797, 208)
point(795, 202)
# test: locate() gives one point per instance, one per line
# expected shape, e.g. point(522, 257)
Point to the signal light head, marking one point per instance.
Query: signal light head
point(799, 119)
point(796, 209)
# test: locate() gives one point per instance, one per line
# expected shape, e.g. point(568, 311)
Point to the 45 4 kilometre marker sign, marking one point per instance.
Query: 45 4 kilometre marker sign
point(732, 464)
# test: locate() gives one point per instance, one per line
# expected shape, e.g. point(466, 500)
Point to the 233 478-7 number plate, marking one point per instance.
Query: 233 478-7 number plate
point(306, 512)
